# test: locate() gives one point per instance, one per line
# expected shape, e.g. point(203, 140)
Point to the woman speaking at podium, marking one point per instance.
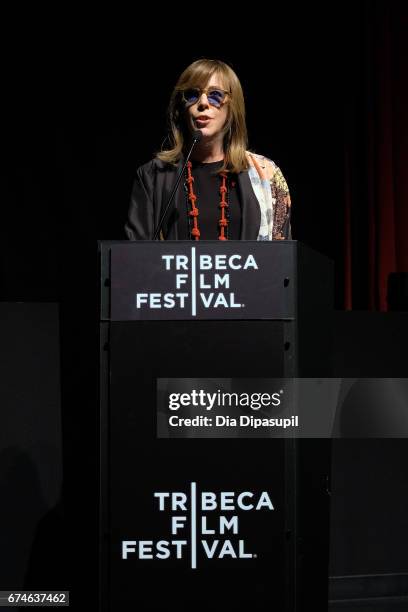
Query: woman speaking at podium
point(206, 185)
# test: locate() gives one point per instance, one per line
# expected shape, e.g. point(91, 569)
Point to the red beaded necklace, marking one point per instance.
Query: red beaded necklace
point(223, 205)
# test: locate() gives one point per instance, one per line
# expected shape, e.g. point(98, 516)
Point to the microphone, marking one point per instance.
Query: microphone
point(196, 137)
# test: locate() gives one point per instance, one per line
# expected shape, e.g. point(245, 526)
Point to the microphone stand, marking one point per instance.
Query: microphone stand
point(196, 138)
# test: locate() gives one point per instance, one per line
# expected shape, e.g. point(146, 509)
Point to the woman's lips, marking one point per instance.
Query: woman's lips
point(202, 120)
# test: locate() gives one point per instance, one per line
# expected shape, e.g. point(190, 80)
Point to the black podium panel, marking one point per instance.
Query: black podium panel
point(136, 456)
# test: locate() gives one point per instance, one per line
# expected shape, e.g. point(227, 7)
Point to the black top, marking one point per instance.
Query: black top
point(206, 187)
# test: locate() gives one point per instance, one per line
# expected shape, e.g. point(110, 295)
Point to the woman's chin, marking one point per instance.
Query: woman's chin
point(206, 133)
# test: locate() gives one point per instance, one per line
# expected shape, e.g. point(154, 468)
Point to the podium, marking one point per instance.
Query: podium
point(218, 522)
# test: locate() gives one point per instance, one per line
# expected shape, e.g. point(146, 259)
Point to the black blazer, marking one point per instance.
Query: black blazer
point(151, 190)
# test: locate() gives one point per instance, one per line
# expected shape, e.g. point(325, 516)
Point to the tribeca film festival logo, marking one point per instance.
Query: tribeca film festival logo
point(205, 279)
point(195, 524)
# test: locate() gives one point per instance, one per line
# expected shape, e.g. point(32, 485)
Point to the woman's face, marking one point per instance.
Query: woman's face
point(209, 114)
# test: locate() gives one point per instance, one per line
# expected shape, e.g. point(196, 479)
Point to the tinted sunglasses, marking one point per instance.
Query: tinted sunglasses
point(215, 95)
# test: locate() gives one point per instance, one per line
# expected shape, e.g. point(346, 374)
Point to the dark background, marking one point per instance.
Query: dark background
point(86, 99)
point(84, 102)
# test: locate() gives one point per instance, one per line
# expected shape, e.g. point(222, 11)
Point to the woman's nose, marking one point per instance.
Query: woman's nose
point(203, 101)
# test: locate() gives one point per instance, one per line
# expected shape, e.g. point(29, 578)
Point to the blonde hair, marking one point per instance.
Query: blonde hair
point(235, 133)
